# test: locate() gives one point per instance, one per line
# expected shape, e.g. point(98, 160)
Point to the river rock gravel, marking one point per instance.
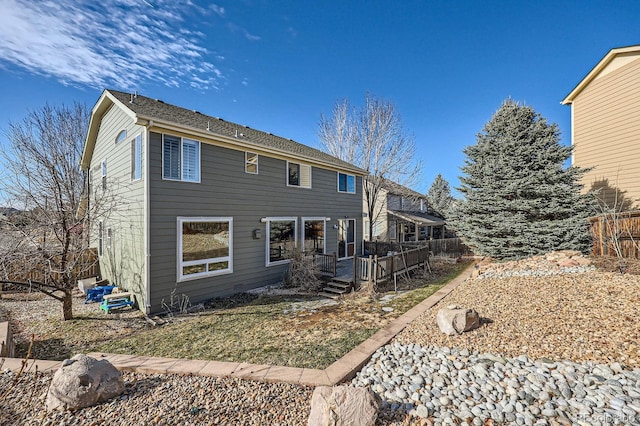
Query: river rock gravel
point(453, 386)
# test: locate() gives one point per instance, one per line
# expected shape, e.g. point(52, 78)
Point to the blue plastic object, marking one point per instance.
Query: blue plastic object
point(95, 294)
point(108, 305)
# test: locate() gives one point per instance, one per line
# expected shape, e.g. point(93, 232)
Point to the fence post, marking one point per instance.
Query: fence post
point(375, 270)
point(369, 263)
point(355, 270)
point(393, 258)
point(335, 264)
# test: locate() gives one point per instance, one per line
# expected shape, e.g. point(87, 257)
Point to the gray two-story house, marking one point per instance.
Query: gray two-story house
point(193, 206)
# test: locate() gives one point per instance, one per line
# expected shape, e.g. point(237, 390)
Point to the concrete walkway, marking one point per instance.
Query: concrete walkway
point(340, 371)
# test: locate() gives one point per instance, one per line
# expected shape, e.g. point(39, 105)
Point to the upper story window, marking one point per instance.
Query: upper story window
point(180, 159)
point(136, 158)
point(346, 183)
point(298, 175)
point(421, 205)
point(121, 136)
point(251, 162)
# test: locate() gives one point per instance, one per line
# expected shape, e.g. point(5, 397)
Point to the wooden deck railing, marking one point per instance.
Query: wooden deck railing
point(379, 269)
point(326, 263)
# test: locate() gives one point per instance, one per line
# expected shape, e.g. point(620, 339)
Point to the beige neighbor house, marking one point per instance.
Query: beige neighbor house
point(605, 127)
point(201, 207)
point(402, 215)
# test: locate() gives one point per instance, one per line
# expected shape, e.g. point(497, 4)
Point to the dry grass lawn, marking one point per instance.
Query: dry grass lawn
point(300, 331)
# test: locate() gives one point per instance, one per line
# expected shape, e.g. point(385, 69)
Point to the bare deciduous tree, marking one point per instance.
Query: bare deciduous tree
point(373, 139)
point(42, 178)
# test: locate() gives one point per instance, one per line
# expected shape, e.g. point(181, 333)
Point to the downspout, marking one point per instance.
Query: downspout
point(147, 217)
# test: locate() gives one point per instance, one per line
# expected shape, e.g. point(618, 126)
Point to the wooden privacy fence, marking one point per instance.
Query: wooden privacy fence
point(85, 266)
point(381, 248)
point(616, 234)
point(449, 247)
point(378, 269)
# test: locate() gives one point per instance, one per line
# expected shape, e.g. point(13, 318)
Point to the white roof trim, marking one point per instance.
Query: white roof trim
point(568, 100)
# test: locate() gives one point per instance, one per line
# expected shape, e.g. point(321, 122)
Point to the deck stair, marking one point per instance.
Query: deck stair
point(337, 287)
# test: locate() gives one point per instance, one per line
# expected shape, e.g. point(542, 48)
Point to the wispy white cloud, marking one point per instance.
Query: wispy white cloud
point(236, 28)
point(217, 9)
point(119, 42)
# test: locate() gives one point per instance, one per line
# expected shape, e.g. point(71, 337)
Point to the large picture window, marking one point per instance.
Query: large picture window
point(313, 242)
point(180, 159)
point(346, 183)
point(282, 233)
point(205, 247)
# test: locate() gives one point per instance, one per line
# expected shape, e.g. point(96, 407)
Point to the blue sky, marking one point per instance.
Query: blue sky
point(276, 66)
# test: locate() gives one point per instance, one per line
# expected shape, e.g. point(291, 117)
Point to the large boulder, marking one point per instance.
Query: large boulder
point(342, 406)
point(454, 320)
point(83, 381)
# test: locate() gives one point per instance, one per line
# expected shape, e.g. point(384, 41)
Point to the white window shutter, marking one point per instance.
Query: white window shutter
point(305, 176)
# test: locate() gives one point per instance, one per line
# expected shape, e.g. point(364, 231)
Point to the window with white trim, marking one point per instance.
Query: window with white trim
point(136, 158)
point(121, 136)
point(251, 162)
point(346, 183)
point(205, 247)
point(282, 232)
point(103, 168)
point(298, 175)
point(313, 241)
point(180, 159)
point(392, 230)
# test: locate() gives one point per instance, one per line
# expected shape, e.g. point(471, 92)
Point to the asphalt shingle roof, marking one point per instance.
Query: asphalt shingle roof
point(158, 110)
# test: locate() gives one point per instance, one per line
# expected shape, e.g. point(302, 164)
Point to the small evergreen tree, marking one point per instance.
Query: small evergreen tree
point(439, 196)
point(520, 200)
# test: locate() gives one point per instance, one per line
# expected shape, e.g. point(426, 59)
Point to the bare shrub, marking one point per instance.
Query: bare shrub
point(302, 272)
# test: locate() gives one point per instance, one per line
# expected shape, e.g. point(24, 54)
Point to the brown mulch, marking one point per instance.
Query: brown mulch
point(590, 316)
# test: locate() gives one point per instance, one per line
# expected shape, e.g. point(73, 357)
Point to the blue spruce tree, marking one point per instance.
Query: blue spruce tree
point(520, 199)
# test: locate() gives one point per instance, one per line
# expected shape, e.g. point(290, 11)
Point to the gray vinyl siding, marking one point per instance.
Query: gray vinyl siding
point(121, 206)
point(226, 190)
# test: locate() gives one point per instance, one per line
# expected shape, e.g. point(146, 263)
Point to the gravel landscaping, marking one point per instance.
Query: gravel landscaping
point(151, 399)
point(581, 317)
point(552, 349)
